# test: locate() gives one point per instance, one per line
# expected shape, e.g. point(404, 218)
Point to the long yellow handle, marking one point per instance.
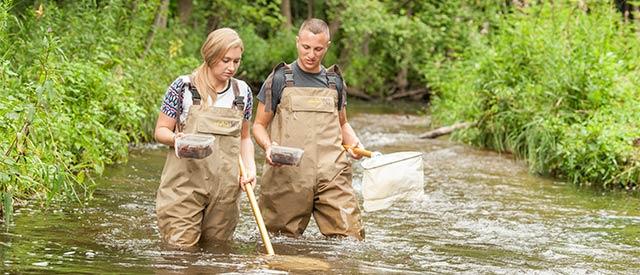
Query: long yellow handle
point(256, 212)
point(359, 151)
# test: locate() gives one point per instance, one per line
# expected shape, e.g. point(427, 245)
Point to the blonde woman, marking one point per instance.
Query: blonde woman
point(198, 198)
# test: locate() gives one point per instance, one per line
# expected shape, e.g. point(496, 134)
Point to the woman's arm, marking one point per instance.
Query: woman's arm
point(164, 130)
point(247, 152)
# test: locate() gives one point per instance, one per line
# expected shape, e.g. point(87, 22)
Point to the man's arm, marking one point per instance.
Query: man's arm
point(260, 125)
point(349, 136)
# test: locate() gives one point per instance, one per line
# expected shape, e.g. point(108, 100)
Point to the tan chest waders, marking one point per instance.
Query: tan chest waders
point(308, 118)
point(198, 198)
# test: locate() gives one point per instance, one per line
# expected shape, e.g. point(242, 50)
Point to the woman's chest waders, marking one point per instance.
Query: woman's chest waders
point(308, 118)
point(198, 198)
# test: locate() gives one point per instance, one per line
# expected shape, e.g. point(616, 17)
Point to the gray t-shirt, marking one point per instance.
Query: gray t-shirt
point(300, 79)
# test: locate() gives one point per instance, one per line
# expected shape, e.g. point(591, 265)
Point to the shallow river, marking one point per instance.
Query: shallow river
point(481, 213)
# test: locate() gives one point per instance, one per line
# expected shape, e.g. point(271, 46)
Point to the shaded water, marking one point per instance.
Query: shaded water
point(481, 213)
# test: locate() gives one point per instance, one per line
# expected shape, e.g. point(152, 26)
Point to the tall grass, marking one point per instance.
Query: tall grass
point(556, 85)
point(75, 93)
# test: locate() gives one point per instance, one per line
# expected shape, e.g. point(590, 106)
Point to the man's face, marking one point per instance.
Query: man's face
point(311, 50)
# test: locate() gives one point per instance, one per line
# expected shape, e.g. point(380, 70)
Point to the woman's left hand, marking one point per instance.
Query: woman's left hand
point(247, 180)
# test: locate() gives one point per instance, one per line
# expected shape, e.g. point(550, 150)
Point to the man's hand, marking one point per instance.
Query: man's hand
point(267, 153)
point(353, 154)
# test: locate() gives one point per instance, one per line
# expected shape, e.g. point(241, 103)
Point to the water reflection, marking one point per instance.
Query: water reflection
point(481, 213)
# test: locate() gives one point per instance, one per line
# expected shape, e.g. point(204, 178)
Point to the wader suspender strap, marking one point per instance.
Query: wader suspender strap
point(288, 76)
point(194, 94)
point(332, 77)
point(238, 101)
point(268, 98)
point(196, 101)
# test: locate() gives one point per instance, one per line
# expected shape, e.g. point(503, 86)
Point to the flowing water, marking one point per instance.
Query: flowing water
point(481, 213)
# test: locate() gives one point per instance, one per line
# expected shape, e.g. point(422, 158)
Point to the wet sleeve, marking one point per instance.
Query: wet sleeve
point(248, 107)
point(265, 88)
point(172, 102)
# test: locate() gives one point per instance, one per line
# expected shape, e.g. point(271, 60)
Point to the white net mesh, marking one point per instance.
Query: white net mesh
point(391, 177)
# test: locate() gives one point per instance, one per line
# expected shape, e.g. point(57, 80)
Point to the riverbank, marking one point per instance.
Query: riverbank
point(556, 85)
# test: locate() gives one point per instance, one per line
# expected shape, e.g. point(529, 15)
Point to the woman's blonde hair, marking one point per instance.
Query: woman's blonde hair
point(213, 50)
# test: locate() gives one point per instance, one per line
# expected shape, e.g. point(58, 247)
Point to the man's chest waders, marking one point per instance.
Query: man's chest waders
point(198, 198)
point(308, 118)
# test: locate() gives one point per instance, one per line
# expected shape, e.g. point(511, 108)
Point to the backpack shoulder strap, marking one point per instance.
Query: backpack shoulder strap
point(288, 76)
point(334, 74)
point(268, 98)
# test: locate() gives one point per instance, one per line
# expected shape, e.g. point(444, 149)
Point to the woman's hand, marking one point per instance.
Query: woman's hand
point(176, 137)
point(247, 180)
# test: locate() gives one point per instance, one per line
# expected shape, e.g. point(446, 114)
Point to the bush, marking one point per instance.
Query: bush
point(554, 85)
point(77, 93)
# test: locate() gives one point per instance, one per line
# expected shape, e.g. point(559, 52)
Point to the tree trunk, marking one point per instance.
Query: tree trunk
point(365, 44)
point(285, 9)
point(161, 16)
point(401, 79)
point(310, 5)
point(334, 25)
point(185, 8)
point(159, 22)
point(212, 18)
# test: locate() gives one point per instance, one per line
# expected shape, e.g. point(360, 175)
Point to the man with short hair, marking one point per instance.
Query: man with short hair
point(303, 105)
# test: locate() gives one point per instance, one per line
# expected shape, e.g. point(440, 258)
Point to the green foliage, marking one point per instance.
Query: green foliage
point(557, 86)
point(383, 39)
point(261, 16)
point(263, 54)
point(77, 92)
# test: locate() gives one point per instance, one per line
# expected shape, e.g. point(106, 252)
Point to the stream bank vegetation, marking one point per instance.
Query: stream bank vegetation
point(556, 84)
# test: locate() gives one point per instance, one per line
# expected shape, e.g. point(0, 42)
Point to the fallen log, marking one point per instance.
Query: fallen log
point(358, 94)
point(407, 93)
point(446, 130)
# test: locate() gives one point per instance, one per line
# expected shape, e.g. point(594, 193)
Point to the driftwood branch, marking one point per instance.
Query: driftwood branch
point(358, 94)
point(446, 130)
point(407, 93)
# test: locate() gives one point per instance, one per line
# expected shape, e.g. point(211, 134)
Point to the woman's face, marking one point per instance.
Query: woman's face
point(228, 65)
